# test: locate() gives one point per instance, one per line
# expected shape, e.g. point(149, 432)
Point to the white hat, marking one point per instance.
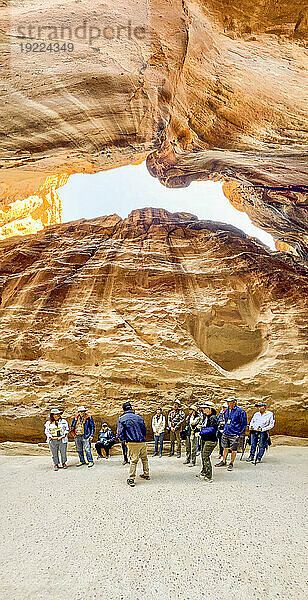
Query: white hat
point(81, 409)
point(225, 405)
point(231, 399)
point(207, 404)
point(55, 411)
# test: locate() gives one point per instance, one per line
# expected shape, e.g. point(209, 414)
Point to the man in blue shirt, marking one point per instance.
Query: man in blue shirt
point(132, 430)
point(235, 423)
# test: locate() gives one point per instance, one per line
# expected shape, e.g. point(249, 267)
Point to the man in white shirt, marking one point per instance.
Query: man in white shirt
point(261, 423)
point(158, 426)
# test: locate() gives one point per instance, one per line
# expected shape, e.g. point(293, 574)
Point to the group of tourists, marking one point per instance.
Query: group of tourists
point(202, 429)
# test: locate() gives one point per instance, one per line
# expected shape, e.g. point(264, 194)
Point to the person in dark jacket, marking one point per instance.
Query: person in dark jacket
point(208, 434)
point(82, 429)
point(106, 439)
point(132, 430)
point(221, 426)
point(235, 425)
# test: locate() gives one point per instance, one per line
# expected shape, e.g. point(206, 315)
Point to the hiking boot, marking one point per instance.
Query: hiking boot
point(107, 457)
point(125, 462)
point(155, 454)
point(200, 475)
point(230, 467)
point(98, 457)
point(143, 476)
point(178, 456)
point(64, 466)
point(131, 482)
point(258, 460)
point(208, 479)
point(249, 459)
point(56, 468)
point(171, 454)
point(221, 464)
point(80, 464)
point(91, 464)
point(160, 456)
point(192, 464)
point(186, 462)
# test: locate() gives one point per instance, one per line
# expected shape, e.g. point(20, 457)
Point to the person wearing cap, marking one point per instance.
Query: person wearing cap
point(208, 434)
point(132, 430)
point(159, 426)
point(176, 419)
point(235, 425)
point(82, 430)
point(260, 425)
point(56, 431)
point(106, 439)
point(193, 420)
point(221, 426)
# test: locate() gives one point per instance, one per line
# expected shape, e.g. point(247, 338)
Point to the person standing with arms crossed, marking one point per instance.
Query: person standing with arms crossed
point(132, 430)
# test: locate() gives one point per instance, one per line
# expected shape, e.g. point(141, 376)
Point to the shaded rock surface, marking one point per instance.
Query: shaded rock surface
point(214, 89)
point(151, 307)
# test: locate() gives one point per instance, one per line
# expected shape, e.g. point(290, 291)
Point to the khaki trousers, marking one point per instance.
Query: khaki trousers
point(137, 450)
point(175, 436)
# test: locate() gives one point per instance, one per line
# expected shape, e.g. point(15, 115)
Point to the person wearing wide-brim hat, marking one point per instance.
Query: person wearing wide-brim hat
point(176, 419)
point(193, 420)
point(261, 423)
point(82, 430)
point(208, 434)
point(56, 431)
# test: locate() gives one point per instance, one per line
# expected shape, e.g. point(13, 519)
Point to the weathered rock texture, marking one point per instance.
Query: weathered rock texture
point(215, 89)
point(29, 215)
point(152, 307)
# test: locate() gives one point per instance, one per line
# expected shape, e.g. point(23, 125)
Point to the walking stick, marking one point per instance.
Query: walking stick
point(245, 445)
point(257, 448)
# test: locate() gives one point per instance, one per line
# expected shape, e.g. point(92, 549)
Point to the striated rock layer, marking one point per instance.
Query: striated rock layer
point(212, 89)
point(152, 307)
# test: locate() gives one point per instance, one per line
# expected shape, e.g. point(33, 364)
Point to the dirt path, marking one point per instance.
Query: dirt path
point(83, 534)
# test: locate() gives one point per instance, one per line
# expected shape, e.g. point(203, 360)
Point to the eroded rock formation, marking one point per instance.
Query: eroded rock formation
point(151, 307)
point(31, 214)
point(212, 89)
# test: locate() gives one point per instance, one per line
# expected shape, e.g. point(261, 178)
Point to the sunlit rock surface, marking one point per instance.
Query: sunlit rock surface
point(29, 215)
point(152, 307)
point(214, 89)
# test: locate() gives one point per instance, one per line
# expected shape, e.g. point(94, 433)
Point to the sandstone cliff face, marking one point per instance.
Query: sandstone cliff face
point(152, 307)
point(29, 215)
point(214, 89)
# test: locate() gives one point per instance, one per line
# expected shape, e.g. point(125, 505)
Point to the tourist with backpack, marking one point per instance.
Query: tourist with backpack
point(221, 426)
point(82, 430)
point(193, 420)
point(208, 434)
point(235, 425)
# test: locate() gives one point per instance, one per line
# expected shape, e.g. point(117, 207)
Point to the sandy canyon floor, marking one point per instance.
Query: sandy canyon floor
point(84, 534)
